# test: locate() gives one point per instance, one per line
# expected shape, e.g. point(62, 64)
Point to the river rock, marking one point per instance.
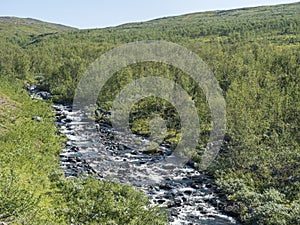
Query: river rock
point(186, 193)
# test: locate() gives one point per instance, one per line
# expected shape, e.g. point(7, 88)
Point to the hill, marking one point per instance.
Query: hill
point(23, 30)
point(34, 23)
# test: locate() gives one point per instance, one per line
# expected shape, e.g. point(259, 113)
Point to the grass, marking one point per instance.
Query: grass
point(33, 189)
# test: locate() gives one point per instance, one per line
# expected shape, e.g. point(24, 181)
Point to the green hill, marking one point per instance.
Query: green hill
point(36, 25)
point(23, 30)
point(255, 56)
point(222, 22)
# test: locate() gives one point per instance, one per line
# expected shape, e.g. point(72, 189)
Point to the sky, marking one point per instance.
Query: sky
point(97, 14)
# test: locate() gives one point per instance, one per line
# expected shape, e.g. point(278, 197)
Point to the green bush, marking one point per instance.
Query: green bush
point(90, 201)
point(33, 190)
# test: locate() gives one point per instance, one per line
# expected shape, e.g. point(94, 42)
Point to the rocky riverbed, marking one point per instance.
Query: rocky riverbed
point(189, 195)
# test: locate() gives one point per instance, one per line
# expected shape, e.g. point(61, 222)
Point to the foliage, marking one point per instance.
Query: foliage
point(33, 189)
point(254, 54)
point(87, 201)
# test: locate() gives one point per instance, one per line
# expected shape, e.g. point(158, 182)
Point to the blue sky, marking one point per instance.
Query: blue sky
point(97, 13)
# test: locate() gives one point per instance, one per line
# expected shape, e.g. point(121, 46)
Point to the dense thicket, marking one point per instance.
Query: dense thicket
point(254, 54)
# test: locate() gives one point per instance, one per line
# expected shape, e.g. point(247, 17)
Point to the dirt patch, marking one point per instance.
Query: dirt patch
point(6, 103)
point(6, 107)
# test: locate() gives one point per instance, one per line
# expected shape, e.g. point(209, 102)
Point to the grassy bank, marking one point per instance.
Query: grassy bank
point(33, 189)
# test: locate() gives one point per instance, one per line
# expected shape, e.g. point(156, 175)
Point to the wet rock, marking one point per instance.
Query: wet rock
point(187, 194)
point(174, 213)
point(44, 95)
point(67, 120)
point(31, 87)
point(184, 199)
point(177, 202)
point(165, 186)
point(208, 185)
point(195, 186)
point(161, 201)
point(232, 210)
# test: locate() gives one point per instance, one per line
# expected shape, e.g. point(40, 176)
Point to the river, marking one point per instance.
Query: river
point(190, 196)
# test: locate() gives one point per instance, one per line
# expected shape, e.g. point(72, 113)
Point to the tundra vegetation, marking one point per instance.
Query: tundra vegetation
point(254, 54)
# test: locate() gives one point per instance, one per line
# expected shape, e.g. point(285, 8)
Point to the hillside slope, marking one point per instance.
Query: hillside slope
point(23, 30)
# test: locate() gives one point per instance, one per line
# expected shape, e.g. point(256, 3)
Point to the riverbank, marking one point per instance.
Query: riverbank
point(33, 190)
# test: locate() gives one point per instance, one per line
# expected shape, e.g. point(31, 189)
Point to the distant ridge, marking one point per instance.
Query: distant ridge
point(31, 21)
point(27, 26)
point(197, 17)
